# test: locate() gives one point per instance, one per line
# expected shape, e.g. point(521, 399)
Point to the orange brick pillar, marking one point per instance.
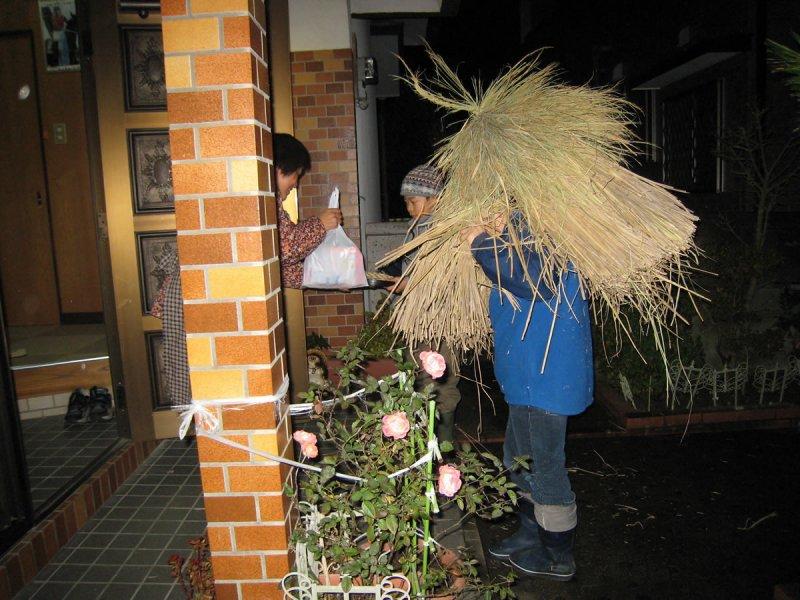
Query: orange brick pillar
point(219, 113)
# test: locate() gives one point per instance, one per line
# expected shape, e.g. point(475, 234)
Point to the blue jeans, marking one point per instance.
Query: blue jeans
point(540, 435)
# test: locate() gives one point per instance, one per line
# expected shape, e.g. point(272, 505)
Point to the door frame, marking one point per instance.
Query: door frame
point(90, 114)
point(17, 490)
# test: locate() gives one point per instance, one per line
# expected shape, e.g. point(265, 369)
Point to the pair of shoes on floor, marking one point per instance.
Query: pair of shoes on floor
point(96, 405)
point(535, 551)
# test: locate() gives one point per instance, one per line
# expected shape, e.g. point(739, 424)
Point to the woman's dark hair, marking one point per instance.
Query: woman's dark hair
point(290, 154)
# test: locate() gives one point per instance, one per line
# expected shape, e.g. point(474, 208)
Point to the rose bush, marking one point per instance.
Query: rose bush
point(375, 527)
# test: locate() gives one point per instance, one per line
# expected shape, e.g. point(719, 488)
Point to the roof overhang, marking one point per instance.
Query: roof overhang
point(684, 70)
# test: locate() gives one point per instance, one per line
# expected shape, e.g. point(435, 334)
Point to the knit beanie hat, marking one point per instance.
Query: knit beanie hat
point(423, 180)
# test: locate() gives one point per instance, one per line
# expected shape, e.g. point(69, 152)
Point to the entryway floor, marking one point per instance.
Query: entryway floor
point(123, 550)
point(56, 452)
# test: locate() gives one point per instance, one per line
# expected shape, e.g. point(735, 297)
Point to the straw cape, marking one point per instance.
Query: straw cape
point(555, 155)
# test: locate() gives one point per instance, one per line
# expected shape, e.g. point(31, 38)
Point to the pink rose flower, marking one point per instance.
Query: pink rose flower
point(309, 450)
point(433, 363)
point(304, 437)
point(449, 480)
point(395, 425)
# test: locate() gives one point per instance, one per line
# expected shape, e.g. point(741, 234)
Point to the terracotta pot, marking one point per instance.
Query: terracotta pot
point(377, 368)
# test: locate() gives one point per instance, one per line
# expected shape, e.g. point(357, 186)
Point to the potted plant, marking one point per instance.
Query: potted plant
point(366, 513)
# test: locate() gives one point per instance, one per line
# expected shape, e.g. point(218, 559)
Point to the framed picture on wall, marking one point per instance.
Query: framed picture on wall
point(153, 247)
point(158, 375)
point(143, 68)
point(151, 171)
point(59, 21)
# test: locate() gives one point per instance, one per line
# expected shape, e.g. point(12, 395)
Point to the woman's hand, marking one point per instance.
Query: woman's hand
point(469, 234)
point(330, 218)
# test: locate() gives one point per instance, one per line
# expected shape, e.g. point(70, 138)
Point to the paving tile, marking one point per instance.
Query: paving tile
point(28, 592)
point(157, 541)
point(152, 592)
point(98, 540)
point(109, 526)
point(100, 573)
point(85, 591)
point(132, 574)
point(127, 541)
point(53, 591)
point(144, 557)
point(160, 574)
point(135, 527)
point(174, 515)
point(119, 591)
point(164, 527)
point(114, 556)
point(148, 513)
point(121, 512)
point(68, 573)
point(84, 556)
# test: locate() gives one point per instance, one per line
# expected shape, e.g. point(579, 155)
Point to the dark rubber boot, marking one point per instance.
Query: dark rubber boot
point(526, 536)
point(553, 560)
point(445, 428)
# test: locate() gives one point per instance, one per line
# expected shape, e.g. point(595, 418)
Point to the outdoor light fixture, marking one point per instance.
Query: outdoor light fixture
point(367, 75)
point(140, 7)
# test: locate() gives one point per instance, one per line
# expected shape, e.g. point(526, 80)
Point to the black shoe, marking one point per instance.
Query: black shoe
point(527, 536)
point(553, 560)
point(100, 401)
point(78, 408)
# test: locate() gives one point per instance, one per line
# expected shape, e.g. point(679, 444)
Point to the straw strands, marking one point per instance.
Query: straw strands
point(553, 154)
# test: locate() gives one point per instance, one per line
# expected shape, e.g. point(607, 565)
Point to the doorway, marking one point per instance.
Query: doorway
point(59, 329)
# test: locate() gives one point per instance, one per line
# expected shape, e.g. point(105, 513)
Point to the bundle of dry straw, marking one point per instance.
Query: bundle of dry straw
point(554, 154)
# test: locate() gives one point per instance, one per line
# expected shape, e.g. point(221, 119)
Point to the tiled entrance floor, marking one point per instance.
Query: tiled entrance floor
point(122, 551)
point(56, 452)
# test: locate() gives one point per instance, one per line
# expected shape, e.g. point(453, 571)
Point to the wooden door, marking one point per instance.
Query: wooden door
point(27, 268)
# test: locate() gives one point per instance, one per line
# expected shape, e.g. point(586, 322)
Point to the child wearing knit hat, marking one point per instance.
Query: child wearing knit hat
point(420, 189)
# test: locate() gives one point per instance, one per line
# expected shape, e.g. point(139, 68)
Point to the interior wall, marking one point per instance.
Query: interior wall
point(67, 165)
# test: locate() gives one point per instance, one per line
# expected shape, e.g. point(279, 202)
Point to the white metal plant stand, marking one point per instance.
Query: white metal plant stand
point(302, 584)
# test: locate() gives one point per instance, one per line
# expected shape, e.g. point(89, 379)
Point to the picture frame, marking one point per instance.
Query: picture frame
point(150, 164)
point(159, 386)
point(143, 68)
point(60, 35)
point(151, 248)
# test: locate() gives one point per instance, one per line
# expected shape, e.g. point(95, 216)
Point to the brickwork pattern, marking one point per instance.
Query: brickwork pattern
point(218, 103)
point(324, 120)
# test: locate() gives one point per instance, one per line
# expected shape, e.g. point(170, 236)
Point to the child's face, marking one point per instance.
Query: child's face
point(419, 205)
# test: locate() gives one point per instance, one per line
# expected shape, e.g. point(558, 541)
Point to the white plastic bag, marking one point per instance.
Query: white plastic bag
point(337, 262)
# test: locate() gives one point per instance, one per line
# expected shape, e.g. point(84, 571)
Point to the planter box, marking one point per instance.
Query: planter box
point(636, 421)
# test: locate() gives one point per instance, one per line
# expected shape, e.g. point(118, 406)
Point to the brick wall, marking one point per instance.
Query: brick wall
point(324, 120)
point(219, 113)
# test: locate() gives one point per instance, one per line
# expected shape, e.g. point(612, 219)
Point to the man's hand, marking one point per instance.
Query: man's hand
point(330, 218)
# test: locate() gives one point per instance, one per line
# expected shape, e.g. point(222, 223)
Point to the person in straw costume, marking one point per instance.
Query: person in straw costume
point(539, 401)
point(540, 222)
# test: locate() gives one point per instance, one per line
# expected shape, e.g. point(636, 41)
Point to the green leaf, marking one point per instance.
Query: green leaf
point(326, 474)
point(288, 490)
point(347, 583)
point(391, 524)
point(446, 446)
point(368, 509)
